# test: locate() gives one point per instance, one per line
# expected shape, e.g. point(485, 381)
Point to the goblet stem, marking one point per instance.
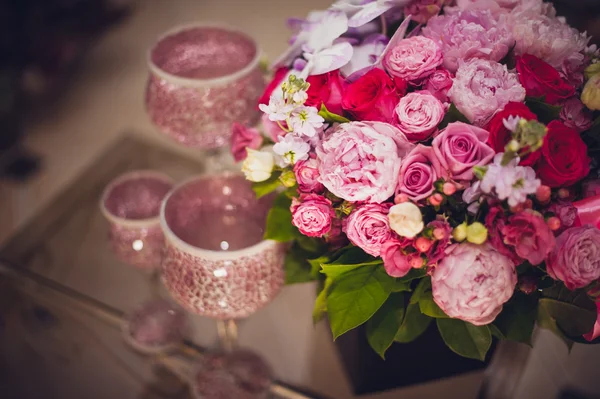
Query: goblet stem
point(155, 283)
point(228, 334)
point(219, 160)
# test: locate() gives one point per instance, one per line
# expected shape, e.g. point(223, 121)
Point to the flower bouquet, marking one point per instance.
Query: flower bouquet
point(435, 163)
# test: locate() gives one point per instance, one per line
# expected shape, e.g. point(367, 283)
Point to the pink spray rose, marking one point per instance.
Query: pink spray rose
point(422, 10)
point(368, 227)
point(576, 258)
point(360, 161)
point(419, 170)
point(395, 261)
point(413, 59)
point(473, 282)
point(312, 215)
point(438, 84)
point(459, 147)
point(464, 35)
point(529, 235)
point(575, 115)
point(242, 137)
point(307, 176)
point(481, 88)
point(417, 115)
point(442, 232)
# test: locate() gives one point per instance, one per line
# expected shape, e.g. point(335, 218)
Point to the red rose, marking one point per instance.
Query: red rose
point(327, 89)
point(275, 82)
point(564, 159)
point(372, 97)
point(541, 79)
point(500, 135)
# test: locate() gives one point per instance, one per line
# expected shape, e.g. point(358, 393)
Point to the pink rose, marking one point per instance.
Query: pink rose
point(422, 10)
point(419, 170)
point(417, 115)
point(368, 227)
point(438, 84)
point(565, 212)
point(312, 215)
point(307, 176)
point(442, 232)
point(575, 115)
point(529, 235)
point(473, 282)
point(395, 261)
point(495, 221)
point(481, 88)
point(590, 188)
point(272, 129)
point(242, 137)
point(459, 147)
point(576, 258)
point(413, 59)
point(360, 161)
point(595, 333)
point(464, 35)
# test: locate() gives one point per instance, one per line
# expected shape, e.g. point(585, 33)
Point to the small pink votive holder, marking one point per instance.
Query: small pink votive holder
point(131, 204)
point(216, 262)
point(202, 79)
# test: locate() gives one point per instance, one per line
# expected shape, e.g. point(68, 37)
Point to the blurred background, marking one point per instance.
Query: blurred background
point(72, 79)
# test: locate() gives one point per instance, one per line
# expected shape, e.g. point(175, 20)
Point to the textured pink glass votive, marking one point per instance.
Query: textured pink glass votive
point(202, 79)
point(216, 262)
point(131, 204)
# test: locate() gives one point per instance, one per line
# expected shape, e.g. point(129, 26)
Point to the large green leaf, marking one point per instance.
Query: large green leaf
point(268, 186)
point(414, 324)
point(349, 260)
point(329, 257)
point(383, 326)
point(279, 221)
point(464, 338)
point(414, 274)
point(517, 319)
point(320, 307)
point(355, 296)
point(545, 112)
point(330, 116)
point(453, 115)
point(429, 307)
point(423, 286)
point(297, 269)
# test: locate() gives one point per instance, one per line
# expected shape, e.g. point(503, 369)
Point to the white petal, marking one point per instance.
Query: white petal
point(368, 13)
point(333, 25)
point(329, 59)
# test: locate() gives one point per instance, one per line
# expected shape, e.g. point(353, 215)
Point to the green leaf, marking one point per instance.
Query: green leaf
point(496, 331)
point(464, 338)
point(330, 116)
point(349, 260)
point(429, 307)
point(545, 112)
point(414, 324)
point(383, 326)
point(311, 245)
point(279, 221)
point(356, 296)
point(423, 286)
point(517, 319)
point(453, 115)
point(327, 258)
point(573, 311)
point(320, 307)
point(401, 286)
point(297, 269)
point(268, 186)
point(414, 274)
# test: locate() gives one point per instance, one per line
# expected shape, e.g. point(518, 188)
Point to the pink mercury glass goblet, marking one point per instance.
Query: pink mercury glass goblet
point(202, 79)
point(131, 204)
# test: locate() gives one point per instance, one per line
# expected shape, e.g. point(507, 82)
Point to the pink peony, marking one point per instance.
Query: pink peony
point(422, 10)
point(440, 244)
point(576, 258)
point(242, 137)
point(575, 115)
point(360, 161)
point(307, 176)
point(529, 235)
point(464, 35)
point(473, 282)
point(417, 115)
point(459, 147)
point(395, 261)
point(368, 227)
point(495, 221)
point(595, 333)
point(413, 59)
point(438, 84)
point(312, 215)
point(481, 88)
point(419, 170)
point(548, 38)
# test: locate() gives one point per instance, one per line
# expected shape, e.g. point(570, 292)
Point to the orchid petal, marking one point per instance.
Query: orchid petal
point(329, 59)
point(368, 13)
point(399, 35)
point(333, 25)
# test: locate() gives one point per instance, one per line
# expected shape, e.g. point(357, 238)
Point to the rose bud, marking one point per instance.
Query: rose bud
point(553, 223)
point(400, 198)
point(422, 244)
point(543, 193)
point(449, 188)
point(460, 232)
point(476, 233)
point(436, 199)
point(563, 193)
point(439, 233)
point(416, 262)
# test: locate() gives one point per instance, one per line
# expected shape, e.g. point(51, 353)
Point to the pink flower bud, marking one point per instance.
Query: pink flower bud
point(554, 223)
point(400, 198)
point(439, 233)
point(436, 199)
point(543, 193)
point(416, 262)
point(563, 193)
point(422, 244)
point(449, 188)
